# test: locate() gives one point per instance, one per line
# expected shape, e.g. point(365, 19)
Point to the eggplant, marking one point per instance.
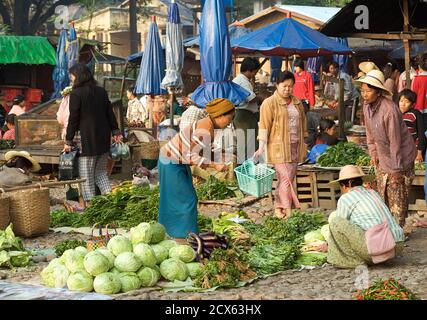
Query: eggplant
point(211, 244)
point(204, 234)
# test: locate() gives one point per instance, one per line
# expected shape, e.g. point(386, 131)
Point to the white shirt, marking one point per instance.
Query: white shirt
point(17, 110)
point(245, 83)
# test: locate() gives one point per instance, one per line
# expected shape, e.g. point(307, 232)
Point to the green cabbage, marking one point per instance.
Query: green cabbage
point(141, 233)
point(161, 253)
point(64, 256)
point(56, 262)
point(146, 254)
point(107, 283)
point(313, 236)
point(168, 244)
point(194, 269)
point(55, 276)
point(95, 263)
point(74, 261)
point(82, 250)
point(312, 259)
point(119, 244)
point(106, 253)
point(80, 281)
point(183, 252)
point(114, 270)
point(148, 276)
point(127, 262)
point(159, 232)
point(19, 258)
point(174, 269)
point(130, 281)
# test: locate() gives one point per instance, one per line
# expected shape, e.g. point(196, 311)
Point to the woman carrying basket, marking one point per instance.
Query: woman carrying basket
point(282, 129)
point(192, 146)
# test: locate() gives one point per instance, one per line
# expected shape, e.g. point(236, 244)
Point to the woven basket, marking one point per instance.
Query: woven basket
point(30, 211)
point(4, 210)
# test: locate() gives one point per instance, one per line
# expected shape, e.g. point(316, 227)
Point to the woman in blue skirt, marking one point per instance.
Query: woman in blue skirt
point(192, 146)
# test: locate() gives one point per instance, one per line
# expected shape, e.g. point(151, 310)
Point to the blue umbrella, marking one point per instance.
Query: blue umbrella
point(215, 58)
point(152, 69)
point(288, 37)
point(276, 67)
point(60, 73)
point(174, 49)
point(313, 67)
point(342, 59)
point(73, 48)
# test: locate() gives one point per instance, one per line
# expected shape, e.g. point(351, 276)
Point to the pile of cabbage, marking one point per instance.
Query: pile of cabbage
point(315, 247)
point(126, 264)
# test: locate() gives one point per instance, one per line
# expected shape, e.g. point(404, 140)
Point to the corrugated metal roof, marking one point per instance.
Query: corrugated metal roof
point(319, 13)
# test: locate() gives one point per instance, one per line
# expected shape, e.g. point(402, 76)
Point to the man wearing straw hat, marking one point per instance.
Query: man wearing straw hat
point(390, 145)
point(16, 171)
point(358, 210)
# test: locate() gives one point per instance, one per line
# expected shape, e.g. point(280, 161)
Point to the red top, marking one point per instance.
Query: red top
point(419, 86)
point(9, 134)
point(304, 87)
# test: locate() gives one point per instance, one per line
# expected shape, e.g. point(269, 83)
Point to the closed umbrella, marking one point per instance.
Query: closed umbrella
point(152, 70)
point(215, 58)
point(73, 47)
point(276, 68)
point(342, 60)
point(60, 73)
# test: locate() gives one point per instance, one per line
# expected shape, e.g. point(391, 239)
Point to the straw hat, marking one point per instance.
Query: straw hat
point(349, 172)
point(367, 66)
point(376, 79)
point(24, 154)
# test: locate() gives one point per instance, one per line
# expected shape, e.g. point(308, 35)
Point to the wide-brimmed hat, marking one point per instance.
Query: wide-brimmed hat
point(348, 172)
point(376, 79)
point(367, 66)
point(24, 154)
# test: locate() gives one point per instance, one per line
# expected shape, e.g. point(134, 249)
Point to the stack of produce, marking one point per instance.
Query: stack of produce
point(238, 235)
point(344, 153)
point(125, 265)
point(12, 252)
point(390, 289)
point(215, 189)
point(314, 249)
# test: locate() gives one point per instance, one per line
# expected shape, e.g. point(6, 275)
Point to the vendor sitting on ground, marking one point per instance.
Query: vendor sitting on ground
point(178, 199)
point(16, 171)
point(358, 209)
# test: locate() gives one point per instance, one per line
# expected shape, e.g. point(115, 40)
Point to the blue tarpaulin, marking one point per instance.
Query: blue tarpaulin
point(60, 75)
point(73, 48)
point(215, 58)
point(342, 59)
point(152, 70)
point(174, 49)
point(288, 37)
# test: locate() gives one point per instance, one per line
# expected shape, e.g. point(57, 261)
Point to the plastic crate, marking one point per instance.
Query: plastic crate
point(33, 95)
point(256, 180)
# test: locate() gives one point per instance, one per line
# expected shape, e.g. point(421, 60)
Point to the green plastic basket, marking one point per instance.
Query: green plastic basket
point(256, 180)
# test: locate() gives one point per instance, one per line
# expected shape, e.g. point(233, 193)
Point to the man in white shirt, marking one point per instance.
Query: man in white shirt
point(247, 113)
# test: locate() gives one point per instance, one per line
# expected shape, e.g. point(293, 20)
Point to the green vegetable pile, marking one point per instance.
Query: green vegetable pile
point(7, 144)
point(420, 166)
point(215, 189)
point(64, 245)
point(344, 153)
point(12, 252)
point(126, 264)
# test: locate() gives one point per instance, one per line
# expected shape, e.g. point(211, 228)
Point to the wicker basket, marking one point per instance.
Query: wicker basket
point(30, 211)
point(4, 210)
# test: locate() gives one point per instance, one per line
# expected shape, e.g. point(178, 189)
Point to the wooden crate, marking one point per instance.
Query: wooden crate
point(327, 195)
point(305, 187)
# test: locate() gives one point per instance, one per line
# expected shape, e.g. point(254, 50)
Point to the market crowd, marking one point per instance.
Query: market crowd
point(282, 128)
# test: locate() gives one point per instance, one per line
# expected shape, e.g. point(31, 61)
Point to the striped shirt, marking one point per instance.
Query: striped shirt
point(191, 115)
point(365, 208)
point(193, 144)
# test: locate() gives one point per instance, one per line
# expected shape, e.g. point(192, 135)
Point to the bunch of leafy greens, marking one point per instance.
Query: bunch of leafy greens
point(64, 245)
point(225, 268)
point(12, 252)
point(63, 218)
point(344, 153)
point(215, 189)
point(204, 223)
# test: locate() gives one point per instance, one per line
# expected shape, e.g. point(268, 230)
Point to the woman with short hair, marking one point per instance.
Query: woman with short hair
point(282, 129)
point(390, 144)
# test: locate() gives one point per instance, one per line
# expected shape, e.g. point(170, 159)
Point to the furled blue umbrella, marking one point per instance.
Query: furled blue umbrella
point(174, 49)
point(152, 70)
point(215, 58)
point(313, 67)
point(60, 73)
point(288, 37)
point(73, 47)
point(342, 59)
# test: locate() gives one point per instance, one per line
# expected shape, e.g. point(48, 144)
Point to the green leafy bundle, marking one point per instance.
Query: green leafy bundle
point(12, 251)
point(7, 144)
point(63, 218)
point(63, 246)
point(215, 189)
point(344, 153)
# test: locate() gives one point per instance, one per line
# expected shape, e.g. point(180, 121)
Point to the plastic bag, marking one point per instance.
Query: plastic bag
point(119, 150)
point(69, 165)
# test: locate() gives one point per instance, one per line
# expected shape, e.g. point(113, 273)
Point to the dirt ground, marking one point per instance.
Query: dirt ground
point(320, 283)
